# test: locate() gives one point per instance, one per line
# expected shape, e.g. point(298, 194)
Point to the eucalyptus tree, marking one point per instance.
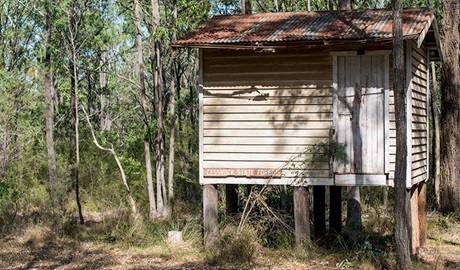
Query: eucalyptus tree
point(17, 37)
point(145, 116)
point(156, 63)
point(450, 116)
point(172, 107)
point(403, 260)
point(78, 27)
point(49, 106)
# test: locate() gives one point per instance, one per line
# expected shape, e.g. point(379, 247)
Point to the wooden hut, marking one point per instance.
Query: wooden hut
point(281, 94)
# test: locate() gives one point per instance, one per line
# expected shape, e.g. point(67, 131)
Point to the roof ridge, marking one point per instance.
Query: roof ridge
point(262, 28)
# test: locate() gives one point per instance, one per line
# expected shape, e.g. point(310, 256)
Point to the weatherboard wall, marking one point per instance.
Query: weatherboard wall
point(419, 114)
point(260, 111)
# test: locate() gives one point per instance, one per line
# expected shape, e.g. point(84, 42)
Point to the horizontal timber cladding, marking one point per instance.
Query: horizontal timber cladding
point(269, 111)
point(265, 111)
point(419, 114)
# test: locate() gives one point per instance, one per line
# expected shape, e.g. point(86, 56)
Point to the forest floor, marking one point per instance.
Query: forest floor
point(37, 247)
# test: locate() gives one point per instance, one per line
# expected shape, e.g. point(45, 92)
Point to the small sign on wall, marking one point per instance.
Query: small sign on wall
point(242, 172)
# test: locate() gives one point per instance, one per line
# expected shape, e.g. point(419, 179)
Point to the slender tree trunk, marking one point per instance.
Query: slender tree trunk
point(246, 6)
point(354, 218)
point(172, 114)
point(49, 107)
point(450, 117)
point(159, 106)
point(72, 35)
point(437, 143)
point(145, 117)
point(75, 155)
point(403, 260)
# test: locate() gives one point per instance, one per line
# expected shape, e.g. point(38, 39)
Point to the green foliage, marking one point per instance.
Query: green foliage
point(325, 150)
point(317, 155)
point(9, 197)
point(367, 251)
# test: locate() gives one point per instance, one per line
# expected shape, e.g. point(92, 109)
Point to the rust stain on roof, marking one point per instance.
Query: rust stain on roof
point(305, 26)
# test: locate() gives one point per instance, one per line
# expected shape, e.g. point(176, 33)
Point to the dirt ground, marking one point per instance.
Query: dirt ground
point(62, 255)
point(38, 248)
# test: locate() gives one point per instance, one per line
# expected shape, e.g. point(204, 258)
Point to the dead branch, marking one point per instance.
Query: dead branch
point(111, 150)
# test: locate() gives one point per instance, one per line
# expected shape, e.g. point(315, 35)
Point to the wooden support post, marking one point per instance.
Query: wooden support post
point(319, 212)
point(210, 224)
point(301, 216)
point(413, 220)
point(422, 212)
point(335, 210)
point(231, 198)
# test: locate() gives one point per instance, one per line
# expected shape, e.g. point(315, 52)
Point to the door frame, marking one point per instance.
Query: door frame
point(367, 179)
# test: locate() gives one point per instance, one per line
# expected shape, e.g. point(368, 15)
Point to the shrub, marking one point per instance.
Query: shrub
point(233, 247)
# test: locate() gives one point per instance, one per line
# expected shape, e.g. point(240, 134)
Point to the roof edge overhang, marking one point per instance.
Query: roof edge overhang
point(421, 37)
point(298, 44)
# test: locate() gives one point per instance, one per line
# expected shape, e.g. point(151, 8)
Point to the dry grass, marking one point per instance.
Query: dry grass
point(443, 249)
point(37, 246)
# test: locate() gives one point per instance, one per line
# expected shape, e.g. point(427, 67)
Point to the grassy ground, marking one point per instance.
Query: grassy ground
point(36, 246)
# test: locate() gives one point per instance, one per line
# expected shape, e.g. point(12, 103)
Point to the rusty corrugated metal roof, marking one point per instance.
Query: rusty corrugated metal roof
point(305, 26)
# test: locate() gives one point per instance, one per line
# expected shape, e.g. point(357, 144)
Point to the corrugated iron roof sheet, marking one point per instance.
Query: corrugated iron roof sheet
point(305, 26)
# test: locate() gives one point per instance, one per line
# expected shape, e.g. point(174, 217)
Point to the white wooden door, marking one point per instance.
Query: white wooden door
point(361, 100)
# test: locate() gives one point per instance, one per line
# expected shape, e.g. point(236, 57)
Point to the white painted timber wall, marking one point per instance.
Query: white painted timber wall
point(419, 111)
point(262, 111)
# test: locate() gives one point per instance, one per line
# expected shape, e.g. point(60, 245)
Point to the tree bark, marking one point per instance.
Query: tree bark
point(145, 117)
point(72, 35)
point(403, 260)
point(172, 114)
point(354, 218)
point(74, 138)
point(246, 6)
point(450, 117)
point(49, 108)
point(159, 107)
point(437, 133)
